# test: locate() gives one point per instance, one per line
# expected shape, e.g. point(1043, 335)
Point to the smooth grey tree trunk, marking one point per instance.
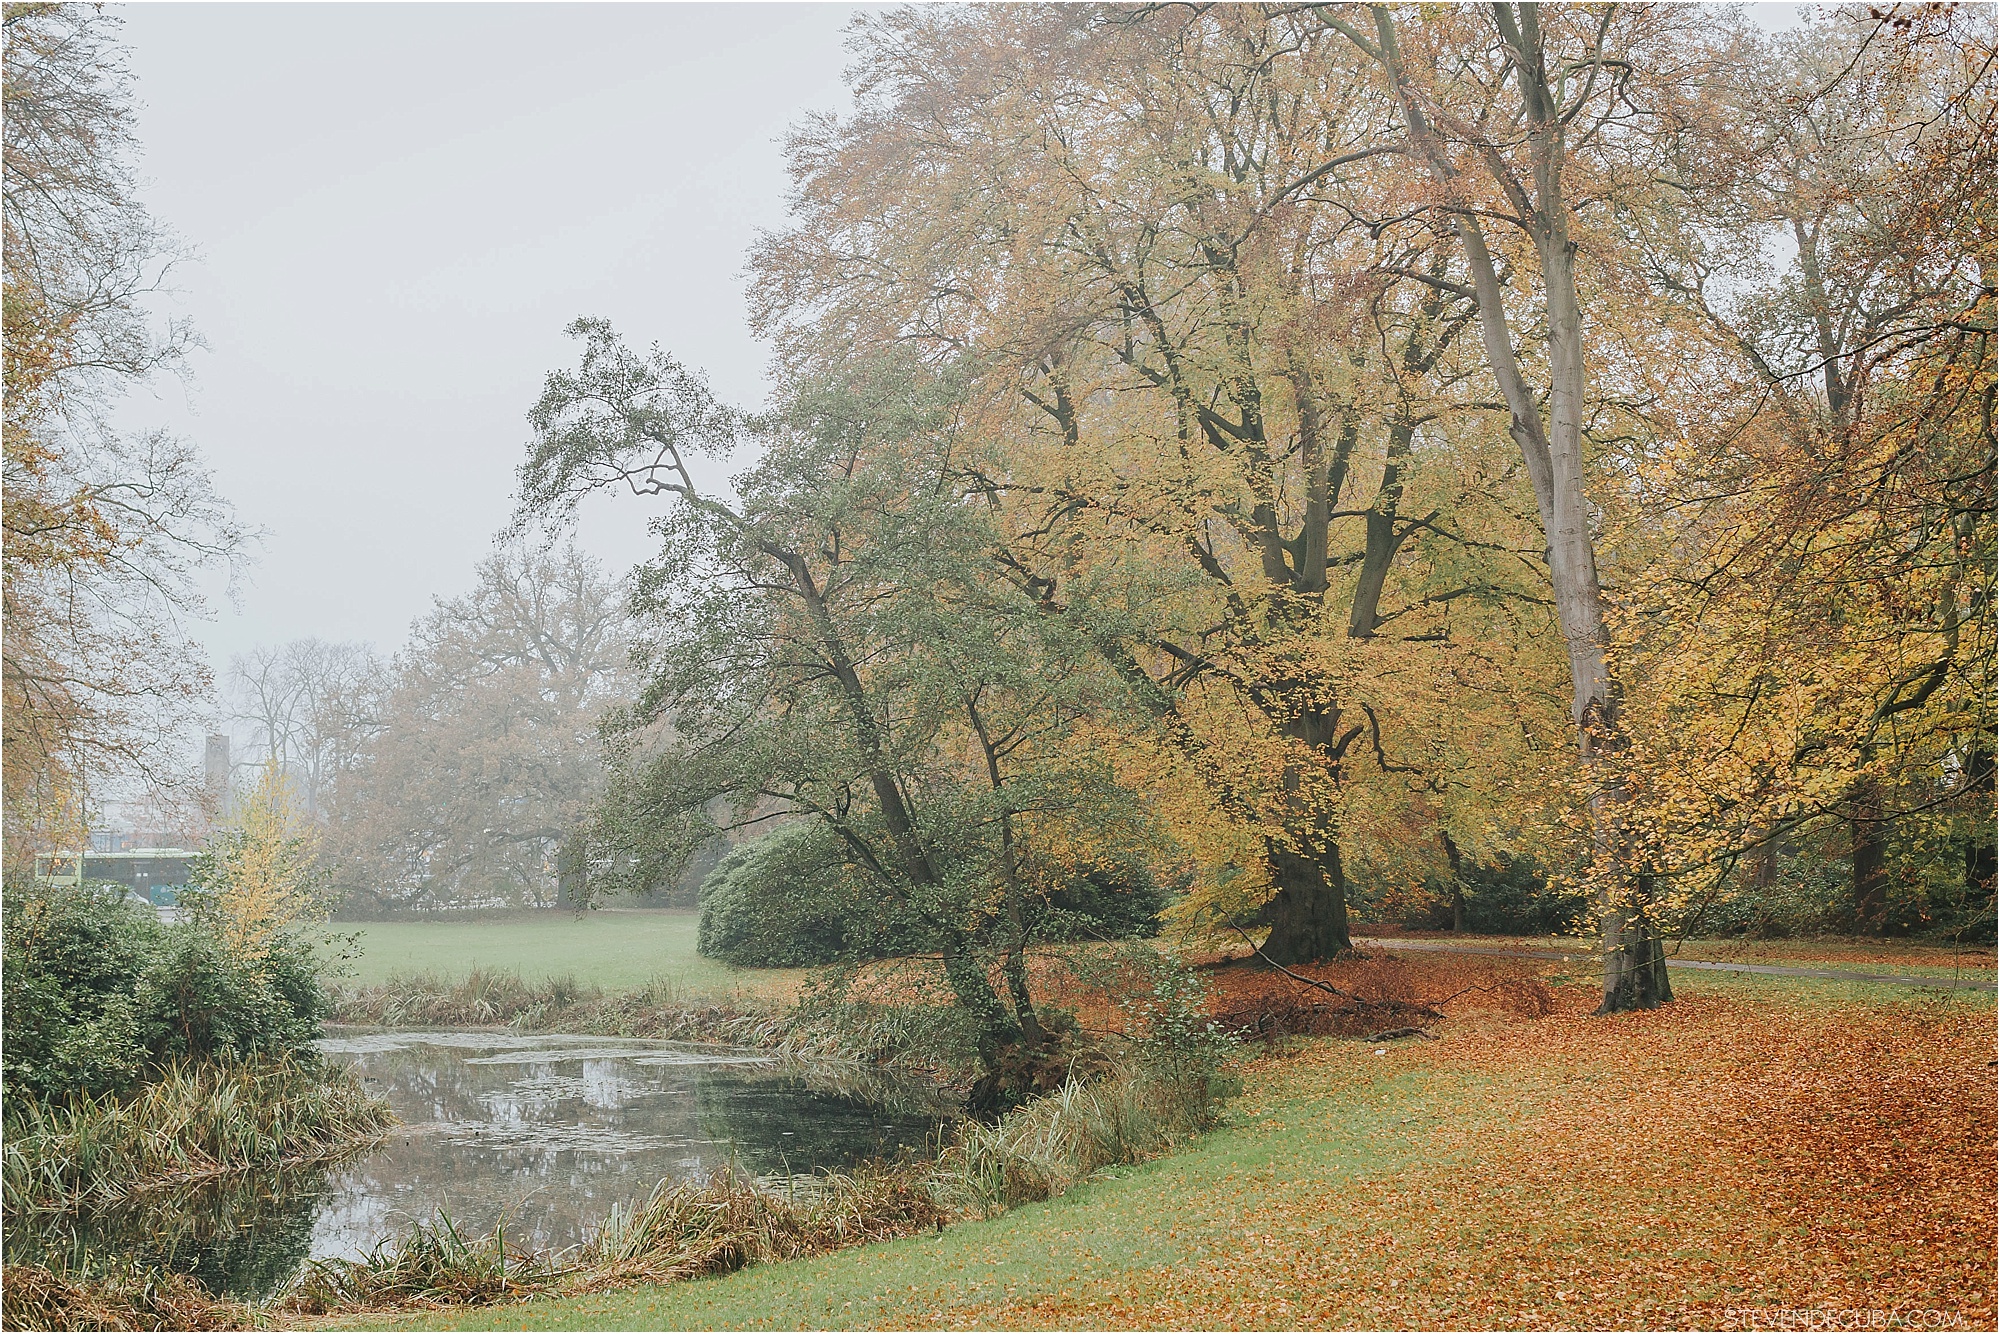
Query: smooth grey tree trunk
point(1635, 975)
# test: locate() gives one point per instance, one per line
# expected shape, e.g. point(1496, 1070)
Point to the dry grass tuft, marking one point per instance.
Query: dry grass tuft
point(35, 1297)
point(684, 1230)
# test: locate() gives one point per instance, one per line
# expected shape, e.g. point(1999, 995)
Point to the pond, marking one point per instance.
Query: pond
point(542, 1132)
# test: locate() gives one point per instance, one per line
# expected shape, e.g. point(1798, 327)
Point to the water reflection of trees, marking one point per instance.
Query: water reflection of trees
point(243, 1235)
point(805, 1117)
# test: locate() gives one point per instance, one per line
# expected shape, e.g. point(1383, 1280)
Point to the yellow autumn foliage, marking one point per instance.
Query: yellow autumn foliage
point(261, 877)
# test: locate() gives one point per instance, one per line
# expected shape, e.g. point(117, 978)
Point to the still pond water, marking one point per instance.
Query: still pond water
point(542, 1132)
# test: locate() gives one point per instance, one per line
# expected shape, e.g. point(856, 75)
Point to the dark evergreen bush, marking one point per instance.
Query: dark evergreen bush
point(1099, 905)
point(98, 994)
point(70, 962)
point(790, 900)
point(787, 900)
point(1508, 896)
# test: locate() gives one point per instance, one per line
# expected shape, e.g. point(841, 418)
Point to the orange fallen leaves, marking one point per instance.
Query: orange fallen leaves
point(1699, 1166)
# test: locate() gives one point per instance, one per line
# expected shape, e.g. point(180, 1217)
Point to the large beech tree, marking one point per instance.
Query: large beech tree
point(1521, 115)
point(1211, 388)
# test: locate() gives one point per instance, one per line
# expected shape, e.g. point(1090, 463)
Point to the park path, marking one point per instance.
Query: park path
point(1768, 969)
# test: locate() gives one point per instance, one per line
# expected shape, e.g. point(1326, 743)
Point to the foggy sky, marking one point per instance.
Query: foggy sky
point(396, 209)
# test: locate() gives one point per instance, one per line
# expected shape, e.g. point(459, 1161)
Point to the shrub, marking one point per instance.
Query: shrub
point(1934, 888)
point(72, 960)
point(1100, 905)
point(789, 900)
point(1509, 896)
point(198, 1000)
point(100, 995)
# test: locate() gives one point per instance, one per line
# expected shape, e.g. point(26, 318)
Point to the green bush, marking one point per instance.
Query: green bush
point(789, 900)
point(1938, 886)
point(1100, 905)
point(198, 1002)
point(70, 971)
point(1509, 896)
point(98, 995)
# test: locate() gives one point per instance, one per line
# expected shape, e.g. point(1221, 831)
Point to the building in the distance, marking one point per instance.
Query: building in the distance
point(156, 875)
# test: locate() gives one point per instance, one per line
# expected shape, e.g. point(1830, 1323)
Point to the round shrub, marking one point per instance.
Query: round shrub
point(787, 900)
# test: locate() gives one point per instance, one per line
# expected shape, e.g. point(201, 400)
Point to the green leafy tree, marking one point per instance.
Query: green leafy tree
point(828, 643)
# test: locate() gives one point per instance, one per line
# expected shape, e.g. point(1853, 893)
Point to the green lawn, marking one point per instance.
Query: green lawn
point(614, 949)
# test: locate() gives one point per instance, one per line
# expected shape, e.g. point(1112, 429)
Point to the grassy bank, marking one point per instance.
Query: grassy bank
point(192, 1124)
point(615, 949)
point(482, 998)
point(1686, 1167)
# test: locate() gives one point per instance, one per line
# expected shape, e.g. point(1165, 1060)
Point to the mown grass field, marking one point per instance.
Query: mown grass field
point(615, 949)
point(1749, 1147)
point(621, 948)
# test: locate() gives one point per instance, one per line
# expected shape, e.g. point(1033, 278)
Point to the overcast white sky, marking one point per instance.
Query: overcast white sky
point(396, 209)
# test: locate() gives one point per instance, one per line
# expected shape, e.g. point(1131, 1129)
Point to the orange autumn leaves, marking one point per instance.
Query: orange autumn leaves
point(1808, 1160)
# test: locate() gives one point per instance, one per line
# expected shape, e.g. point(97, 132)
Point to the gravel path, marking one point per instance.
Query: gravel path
point(1768, 969)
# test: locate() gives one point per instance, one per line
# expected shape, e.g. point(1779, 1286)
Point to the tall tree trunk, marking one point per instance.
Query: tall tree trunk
point(1870, 848)
point(965, 971)
point(1634, 973)
point(572, 874)
point(1456, 861)
point(1379, 550)
point(1308, 914)
point(1015, 964)
point(1635, 957)
point(965, 966)
point(1764, 865)
point(1982, 857)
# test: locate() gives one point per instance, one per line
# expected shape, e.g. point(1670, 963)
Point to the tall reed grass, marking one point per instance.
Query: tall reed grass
point(35, 1296)
point(487, 997)
point(1046, 1146)
point(193, 1123)
point(683, 1230)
